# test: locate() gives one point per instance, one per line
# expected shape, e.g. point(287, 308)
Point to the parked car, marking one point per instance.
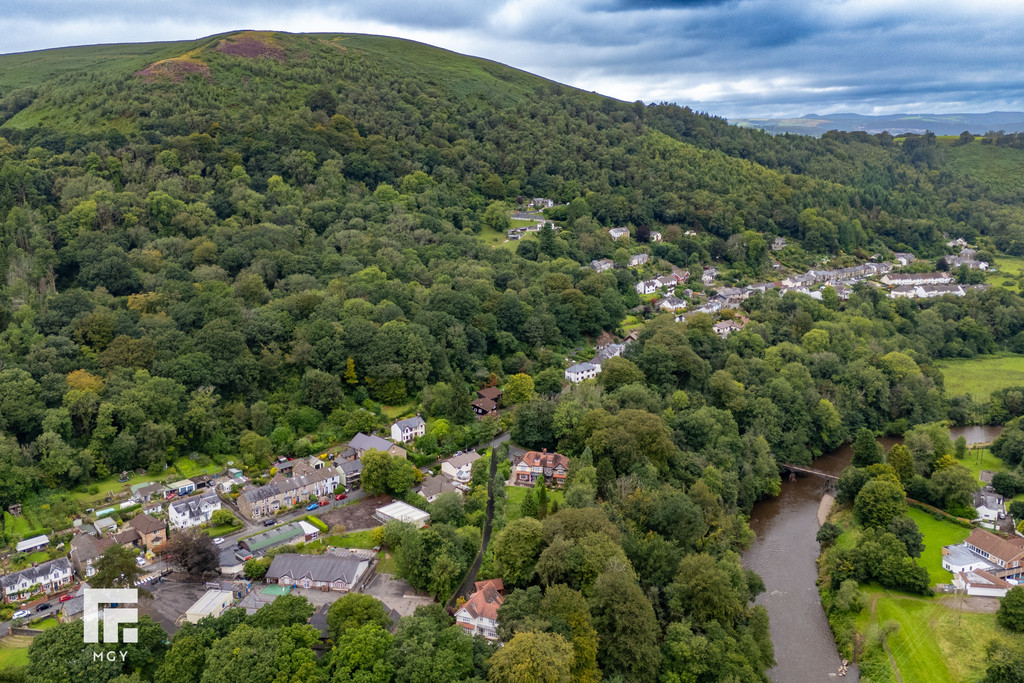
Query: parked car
point(43, 607)
point(324, 502)
point(141, 561)
point(268, 522)
point(218, 540)
point(21, 614)
point(312, 506)
point(65, 598)
point(341, 496)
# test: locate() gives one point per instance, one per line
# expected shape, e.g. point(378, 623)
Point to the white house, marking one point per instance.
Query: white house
point(957, 558)
point(672, 303)
point(981, 583)
point(638, 260)
point(618, 233)
point(190, 512)
point(655, 236)
point(459, 468)
point(479, 615)
point(408, 429)
point(647, 286)
point(47, 577)
point(581, 371)
point(936, 278)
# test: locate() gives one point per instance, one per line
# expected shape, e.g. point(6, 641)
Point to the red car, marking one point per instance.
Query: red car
point(341, 496)
point(324, 502)
point(65, 598)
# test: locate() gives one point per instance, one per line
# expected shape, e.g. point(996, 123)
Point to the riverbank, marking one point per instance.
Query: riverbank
point(825, 507)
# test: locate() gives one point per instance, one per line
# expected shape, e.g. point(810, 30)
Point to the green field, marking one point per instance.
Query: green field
point(358, 539)
point(937, 533)
point(932, 643)
point(982, 375)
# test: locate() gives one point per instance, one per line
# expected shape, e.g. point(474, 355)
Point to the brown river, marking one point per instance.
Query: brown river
point(784, 554)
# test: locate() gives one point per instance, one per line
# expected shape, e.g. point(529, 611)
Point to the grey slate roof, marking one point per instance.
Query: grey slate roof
point(36, 574)
point(410, 422)
point(364, 442)
point(325, 568)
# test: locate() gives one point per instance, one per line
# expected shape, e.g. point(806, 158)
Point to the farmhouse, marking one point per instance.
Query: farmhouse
point(581, 371)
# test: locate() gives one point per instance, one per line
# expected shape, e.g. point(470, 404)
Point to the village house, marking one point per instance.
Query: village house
point(484, 406)
point(281, 491)
point(479, 614)
point(601, 265)
point(637, 260)
point(144, 492)
point(408, 429)
point(581, 371)
point(361, 443)
point(191, 512)
point(432, 487)
point(961, 260)
point(935, 278)
point(329, 572)
point(903, 258)
point(989, 506)
point(726, 327)
point(350, 471)
point(654, 236)
point(709, 275)
point(85, 550)
point(534, 465)
point(153, 532)
point(493, 393)
point(618, 233)
point(459, 468)
point(47, 578)
point(541, 203)
point(778, 244)
point(647, 286)
point(958, 242)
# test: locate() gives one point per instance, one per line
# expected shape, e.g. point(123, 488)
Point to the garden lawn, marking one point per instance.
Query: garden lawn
point(937, 533)
point(982, 459)
point(358, 539)
point(46, 624)
point(981, 375)
point(386, 564)
point(222, 529)
point(1007, 268)
point(516, 494)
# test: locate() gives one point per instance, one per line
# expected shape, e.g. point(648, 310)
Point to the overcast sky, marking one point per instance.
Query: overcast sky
point(732, 58)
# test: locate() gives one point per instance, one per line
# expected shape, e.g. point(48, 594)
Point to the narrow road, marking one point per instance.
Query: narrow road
point(467, 585)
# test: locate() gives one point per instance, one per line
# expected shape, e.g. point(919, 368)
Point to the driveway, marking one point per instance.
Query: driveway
point(170, 601)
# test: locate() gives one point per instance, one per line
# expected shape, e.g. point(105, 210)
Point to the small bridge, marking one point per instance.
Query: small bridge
point(807, 470)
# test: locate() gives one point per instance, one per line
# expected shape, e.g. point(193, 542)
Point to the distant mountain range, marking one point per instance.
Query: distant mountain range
point(940, 124)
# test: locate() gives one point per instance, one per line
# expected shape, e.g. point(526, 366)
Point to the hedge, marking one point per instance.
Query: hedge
point(940, 514)
point(317, 522)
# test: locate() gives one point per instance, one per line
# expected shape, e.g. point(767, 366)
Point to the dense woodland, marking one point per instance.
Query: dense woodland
point(250, 249)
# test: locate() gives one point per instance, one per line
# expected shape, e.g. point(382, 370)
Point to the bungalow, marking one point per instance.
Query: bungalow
point(936, 278)
point(995, 549)
point(601, 265)
point(618, 233)
point(406, 430)
point(153, 532)
point(672, 303)
point(48, 577)
point(191, 512)
point(459, 468)
point(726, 327)
point(534, 465)
point(30, 545)
point(981, 583)
point(328, 572)
point(183, 487)
point(637, 260)
point(581, 371)
point(361, 443)
point(479, 614)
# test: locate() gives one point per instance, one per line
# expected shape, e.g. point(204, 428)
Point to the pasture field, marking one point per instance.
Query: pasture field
point(982, 375)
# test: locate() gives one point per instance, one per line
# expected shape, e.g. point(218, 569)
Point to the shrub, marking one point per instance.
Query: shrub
point(317, 522)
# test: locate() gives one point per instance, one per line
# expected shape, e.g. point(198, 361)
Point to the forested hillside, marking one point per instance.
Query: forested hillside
point(259, 244)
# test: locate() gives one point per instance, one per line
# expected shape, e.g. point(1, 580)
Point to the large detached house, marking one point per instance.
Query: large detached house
point(153, 532)
point(48, 577)
point(191, 512)
point(479, 615)
point(581, 371)
point(534, 465)
point(361, 443)
point(326, 572)
point(460, 467)
point(408, 429)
